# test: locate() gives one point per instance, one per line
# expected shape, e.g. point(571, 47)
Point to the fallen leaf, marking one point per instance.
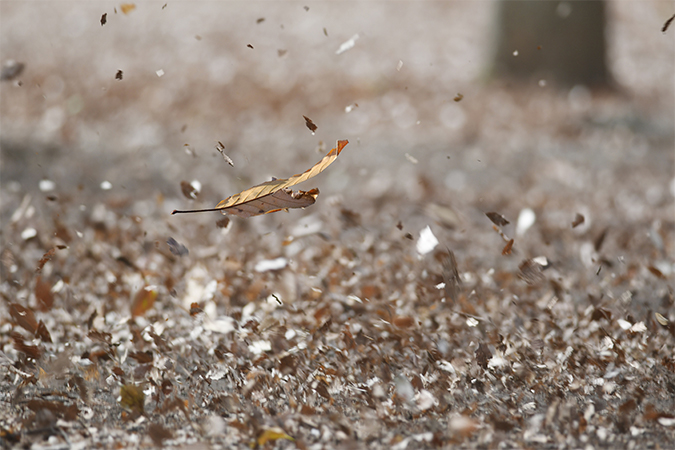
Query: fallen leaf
point(530, 272)
point(127, 7)
point(159, 434)
point(144, 300)
point(272, 434)
point(275, 195)
point(190, 190)
point(497, 219)
point(308, 122)
point(578, 220)
point(132, 397)
point(43, 294)
point(176, 247)
point(223, 223)
point(24, 317)
point(32, 351)
point(11, 69)
point(507, 248)
point(45, 258)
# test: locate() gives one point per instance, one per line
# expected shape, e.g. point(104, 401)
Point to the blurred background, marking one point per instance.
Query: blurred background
point(456, 103)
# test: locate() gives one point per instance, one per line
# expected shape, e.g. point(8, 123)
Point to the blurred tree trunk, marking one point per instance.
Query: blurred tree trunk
point(560, 42)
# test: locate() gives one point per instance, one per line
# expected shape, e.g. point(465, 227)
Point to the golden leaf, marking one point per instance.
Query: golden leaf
point(275, 195)
point(272, 434)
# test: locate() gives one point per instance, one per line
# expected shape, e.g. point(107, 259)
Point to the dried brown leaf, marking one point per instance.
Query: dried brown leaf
point(24, 317)
point(43, 294)
point(176, 247)
point(403, 322)
point(508, 247)
point(45, 258)
point(274, 195)
point(497, 219)
point(188, 190)
point(132, 397)
point(159, 434)
point(144, 300)
point(578, 220)
point(32, 351)
point(43, 333)
point(530, 272)
point(308, 122)
point(483, 355)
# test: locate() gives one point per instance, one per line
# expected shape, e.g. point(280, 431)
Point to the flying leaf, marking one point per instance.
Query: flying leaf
point(272, 434)
point(275, 195)
point(311, 125)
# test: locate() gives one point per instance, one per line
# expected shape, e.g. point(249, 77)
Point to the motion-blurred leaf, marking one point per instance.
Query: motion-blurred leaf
point(275, 195)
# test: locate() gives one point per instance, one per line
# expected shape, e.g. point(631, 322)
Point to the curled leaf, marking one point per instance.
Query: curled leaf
point(275, 195)
point(273, 434)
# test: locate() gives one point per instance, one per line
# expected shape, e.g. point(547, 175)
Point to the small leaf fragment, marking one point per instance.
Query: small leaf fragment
point(272, 434)
point(176, 247)
point(132, 397)
point(144, 300)
point(507, 248)
point(127, 7)
point(308, 122)
point(578, 220)
point(221, 149)
point(497, 219)
point(24, 317)
point(104, 19)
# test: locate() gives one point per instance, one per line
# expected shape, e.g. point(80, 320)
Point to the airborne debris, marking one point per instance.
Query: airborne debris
point(578, 220)
point(104, 19)
point(119, 75)
point(127, 7)
point(221, 149)
point(190, 189)
point(11, 69)
point(271, 264)
point(526, 219)
point(177, 248)
point(411, 158)
point(349, 108)
point(308, 122)
point(346, 45)
point(427, 241)
point(497, 219)
point(667, 24)
point(458, 97)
